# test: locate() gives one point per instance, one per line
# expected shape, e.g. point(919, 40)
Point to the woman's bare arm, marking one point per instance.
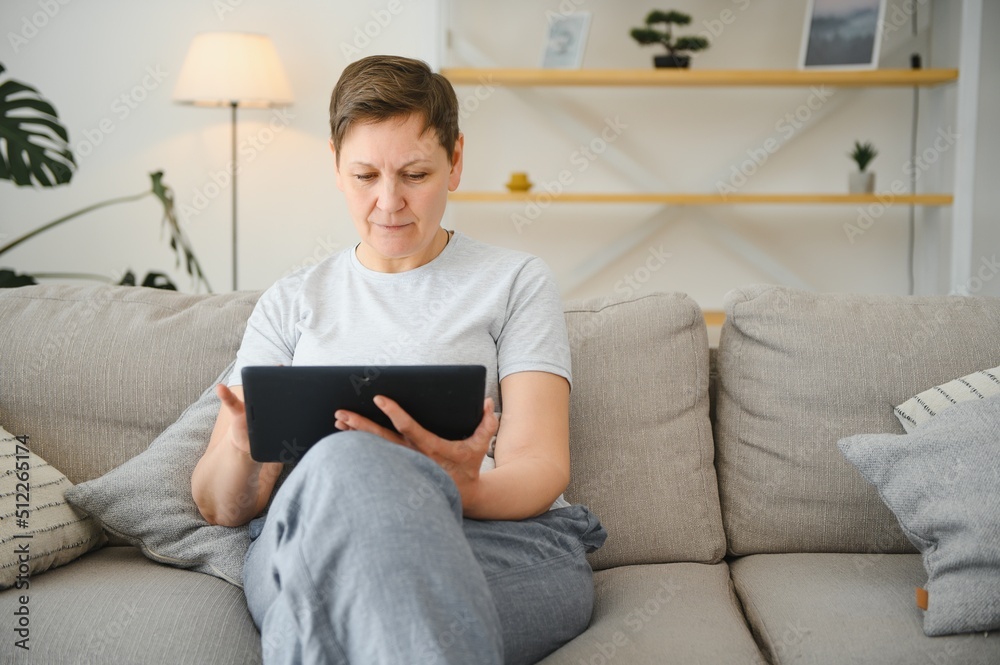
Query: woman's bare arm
point(532, 447)
point(531, 453)
point(229, 487)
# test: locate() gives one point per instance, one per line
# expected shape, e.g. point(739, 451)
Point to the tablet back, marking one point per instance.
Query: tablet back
point(291, 408)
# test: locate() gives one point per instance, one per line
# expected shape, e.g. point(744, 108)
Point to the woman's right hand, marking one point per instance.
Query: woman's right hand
point(237, 435)
point(229, 487)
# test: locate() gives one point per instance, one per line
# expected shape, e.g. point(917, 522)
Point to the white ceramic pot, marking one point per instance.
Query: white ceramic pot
point(861, 182)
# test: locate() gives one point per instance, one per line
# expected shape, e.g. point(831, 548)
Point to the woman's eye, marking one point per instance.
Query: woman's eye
point(365, 177)
point(416, 177)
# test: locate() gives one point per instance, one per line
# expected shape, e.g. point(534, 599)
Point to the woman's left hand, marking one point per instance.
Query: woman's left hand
point(461, 459)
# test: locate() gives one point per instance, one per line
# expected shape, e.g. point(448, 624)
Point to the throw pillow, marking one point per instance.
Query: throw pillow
point(921, 408)
point(38, 529)
point(147, 500)
point(942, 484)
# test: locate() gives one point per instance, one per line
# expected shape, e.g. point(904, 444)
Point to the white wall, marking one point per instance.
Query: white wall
point(986, 239)
point(89, 54)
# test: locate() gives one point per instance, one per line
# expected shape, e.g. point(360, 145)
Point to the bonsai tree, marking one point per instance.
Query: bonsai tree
point(863, 154)
point(675, 47)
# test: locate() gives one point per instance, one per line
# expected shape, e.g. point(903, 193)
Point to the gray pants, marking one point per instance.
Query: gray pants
point(364, 557)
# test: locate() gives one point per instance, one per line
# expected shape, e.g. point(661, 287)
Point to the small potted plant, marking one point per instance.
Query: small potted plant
point(675, 46)
point(862, 182)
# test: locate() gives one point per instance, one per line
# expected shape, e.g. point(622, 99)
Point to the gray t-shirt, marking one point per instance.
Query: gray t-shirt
point(473, 304)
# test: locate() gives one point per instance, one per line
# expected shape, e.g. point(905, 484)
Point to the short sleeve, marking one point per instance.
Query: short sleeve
point(533, 337)
point(272, 329)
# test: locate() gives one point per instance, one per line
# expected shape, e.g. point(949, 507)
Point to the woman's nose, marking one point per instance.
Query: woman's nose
point(389, 198)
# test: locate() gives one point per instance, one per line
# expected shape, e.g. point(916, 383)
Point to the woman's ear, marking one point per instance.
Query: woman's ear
point(455, 176)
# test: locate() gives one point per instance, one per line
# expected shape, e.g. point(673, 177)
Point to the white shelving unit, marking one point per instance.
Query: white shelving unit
point(650, 190)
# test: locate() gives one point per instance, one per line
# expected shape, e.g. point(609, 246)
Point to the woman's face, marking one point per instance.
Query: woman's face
point(396, 179)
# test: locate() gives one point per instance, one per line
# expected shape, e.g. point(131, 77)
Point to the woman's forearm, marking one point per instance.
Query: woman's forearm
point(229, 487)
point(522, 488)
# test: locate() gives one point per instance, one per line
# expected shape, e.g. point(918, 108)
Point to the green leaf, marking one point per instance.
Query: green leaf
point(157, 280)
point(178, 241)
point(863, 154)
point(691, 44)
point(10, 279)
point(647, 36)
point(29, 156)
point(677, 18)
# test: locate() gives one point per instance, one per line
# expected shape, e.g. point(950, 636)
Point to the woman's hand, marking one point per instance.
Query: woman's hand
point(227, 485)
point(237, 435)
point(461, 459)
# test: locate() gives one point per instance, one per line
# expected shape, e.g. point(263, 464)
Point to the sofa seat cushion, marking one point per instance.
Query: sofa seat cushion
point(642, 452)
point(115, 606)
point(847, 608)
point(799, 371)
point(663, 613)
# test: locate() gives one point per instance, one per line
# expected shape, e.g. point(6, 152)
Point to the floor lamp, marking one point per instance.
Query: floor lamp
point(232, 69)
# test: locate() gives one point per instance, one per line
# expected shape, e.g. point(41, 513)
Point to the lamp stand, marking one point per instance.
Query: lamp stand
point(232, 106)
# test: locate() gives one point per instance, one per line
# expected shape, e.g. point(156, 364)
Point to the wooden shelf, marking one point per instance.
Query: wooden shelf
point(714, 317)
point(703, 199)
point(699, 78)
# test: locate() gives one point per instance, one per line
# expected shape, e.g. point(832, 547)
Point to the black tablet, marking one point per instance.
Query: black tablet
point(291, 408)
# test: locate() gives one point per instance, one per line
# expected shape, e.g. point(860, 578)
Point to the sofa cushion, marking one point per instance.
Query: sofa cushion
point(846, 608)
point(94, 374)
point(663, 613)
point(38, 529)
point(942, 482)
point(97, 373)
point(147, 500)
point(642, 455)
point(797, 372)
point(115, 606)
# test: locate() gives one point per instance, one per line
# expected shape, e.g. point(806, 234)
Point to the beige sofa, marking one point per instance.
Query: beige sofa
point(738, 533)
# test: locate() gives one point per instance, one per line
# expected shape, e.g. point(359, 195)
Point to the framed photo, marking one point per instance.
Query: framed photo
point(566, 40)
point(842, 34)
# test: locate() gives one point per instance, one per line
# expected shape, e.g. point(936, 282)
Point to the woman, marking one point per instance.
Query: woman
point(405, 548)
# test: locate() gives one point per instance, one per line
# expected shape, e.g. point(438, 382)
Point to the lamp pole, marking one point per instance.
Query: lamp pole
point(232, 68)
point(232, 106)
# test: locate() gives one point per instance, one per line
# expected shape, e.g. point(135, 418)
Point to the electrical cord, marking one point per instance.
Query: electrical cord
point(915, 63)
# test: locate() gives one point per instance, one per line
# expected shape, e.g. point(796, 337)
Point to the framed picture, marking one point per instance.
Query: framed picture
point(566, 40)
point(842, 34)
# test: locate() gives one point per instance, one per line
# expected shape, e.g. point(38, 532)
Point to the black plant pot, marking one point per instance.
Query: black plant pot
point(674, 61)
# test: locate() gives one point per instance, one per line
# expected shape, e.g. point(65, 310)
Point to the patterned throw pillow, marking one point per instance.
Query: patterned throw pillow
point(39, 530)
point(921, 408)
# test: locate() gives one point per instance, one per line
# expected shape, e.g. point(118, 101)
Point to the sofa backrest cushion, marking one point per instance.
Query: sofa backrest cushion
point(642, 454)
point(797, 372)
point(94, 374)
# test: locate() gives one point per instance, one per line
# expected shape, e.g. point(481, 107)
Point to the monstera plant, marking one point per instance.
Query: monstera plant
point(35, 151)
point(35, 145)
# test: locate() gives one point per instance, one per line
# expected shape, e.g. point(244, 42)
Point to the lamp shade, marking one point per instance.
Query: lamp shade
point(224, 68)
